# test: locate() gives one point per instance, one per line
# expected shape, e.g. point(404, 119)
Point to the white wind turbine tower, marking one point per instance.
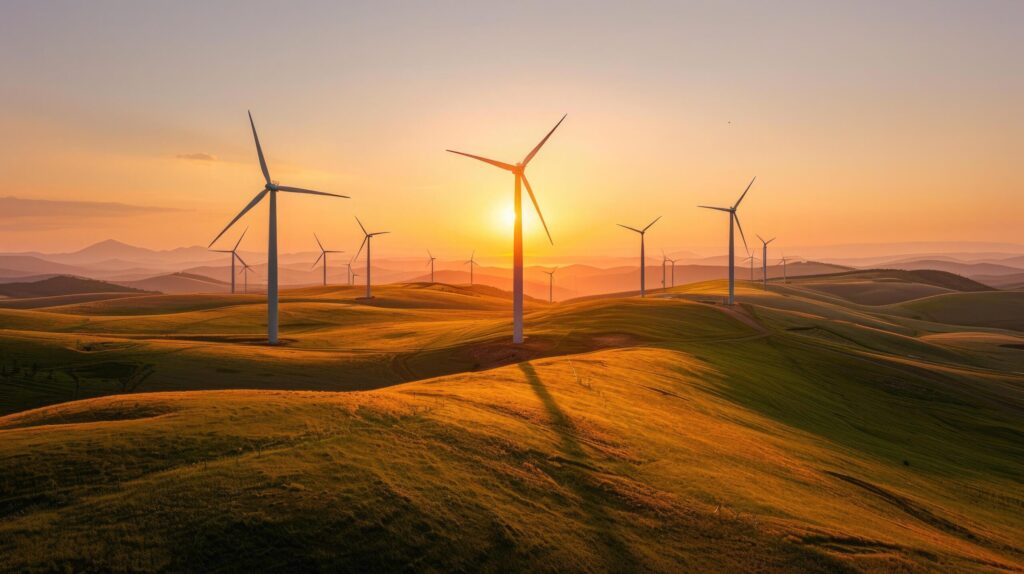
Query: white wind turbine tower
point(764, 260)
point(367, 236)
point(431, 263)
point(519, 171)
point(551, 284)
point(234, 255)
point(733, 218)
point(270, 188)
point(471, 263)
point(323, 255)
point(643, 257)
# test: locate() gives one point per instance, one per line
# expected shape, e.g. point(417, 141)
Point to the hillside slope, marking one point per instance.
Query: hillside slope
point(61, 285)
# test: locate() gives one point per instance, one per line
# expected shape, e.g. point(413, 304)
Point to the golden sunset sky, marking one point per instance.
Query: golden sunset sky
point(864, 122)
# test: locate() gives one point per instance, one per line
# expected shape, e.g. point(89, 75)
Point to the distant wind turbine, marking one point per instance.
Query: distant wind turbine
point(351, 281)
point(471, 263)
point(751, 259)
point(673, 263)
point(664, 263)
point(323, 255)
point(733, 218)
point(234, 255)
point(764, 260)
point(551, 285)
point(519, 171)
point(245, 275)
point(643, 257)
point(270, 188)
point(783, 261)
point(431, 263)
point(367, 236)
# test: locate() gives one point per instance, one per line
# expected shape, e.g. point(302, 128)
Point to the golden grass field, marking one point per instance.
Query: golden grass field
point(807, 429)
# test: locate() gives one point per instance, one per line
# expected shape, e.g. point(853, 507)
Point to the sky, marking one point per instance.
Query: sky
point(864, 122)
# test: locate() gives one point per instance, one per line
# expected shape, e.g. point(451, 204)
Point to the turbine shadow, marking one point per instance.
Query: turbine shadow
point(578, 476)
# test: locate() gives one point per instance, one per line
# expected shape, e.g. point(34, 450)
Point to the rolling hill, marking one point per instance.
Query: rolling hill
point(797, 431)
point(61, 285)
point(175, 283)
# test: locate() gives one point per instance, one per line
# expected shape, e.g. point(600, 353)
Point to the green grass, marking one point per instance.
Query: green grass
point(796, 432)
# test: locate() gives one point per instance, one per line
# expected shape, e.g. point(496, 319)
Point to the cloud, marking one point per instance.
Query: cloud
point(197, 156)
point(12, 208)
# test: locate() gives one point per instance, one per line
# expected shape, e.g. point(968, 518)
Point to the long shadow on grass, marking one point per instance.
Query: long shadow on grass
point(617, 553)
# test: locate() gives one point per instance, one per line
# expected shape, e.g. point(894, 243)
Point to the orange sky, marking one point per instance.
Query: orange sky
point(867, 123)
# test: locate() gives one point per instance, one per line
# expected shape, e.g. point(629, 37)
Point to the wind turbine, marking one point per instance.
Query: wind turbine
point(323, 255)
point(367, 236)
point(733, 217)
point(643, 258)
point(519, 171)
point(234, 254)
point(783, 261)
point(431, 263)
point(245, 275)
point(752, 259)
point(270, 188)
point(551, 285)
point(349, 274)
point(664, 261)
point(764, 260)
point(471, 263)
point(673, 263)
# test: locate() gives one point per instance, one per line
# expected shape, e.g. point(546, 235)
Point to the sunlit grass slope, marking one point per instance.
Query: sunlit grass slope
point(797, 431)
point(735, 457)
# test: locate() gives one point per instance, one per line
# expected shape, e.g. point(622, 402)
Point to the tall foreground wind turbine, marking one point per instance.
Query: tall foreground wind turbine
point(643, 257)
point(234, 255)
point(323, 255)
point(764, 260)
point(431, 263)
point(519, 171)
point(551, 285)
point(367, 236)
point(270, 188)
point(733, 218)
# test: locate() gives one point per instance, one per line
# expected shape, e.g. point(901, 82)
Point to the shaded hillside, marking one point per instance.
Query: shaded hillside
point(62, 285)
point(176, 283)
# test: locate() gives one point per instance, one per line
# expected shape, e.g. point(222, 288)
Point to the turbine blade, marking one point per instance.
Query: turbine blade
point(429, 254)
point(629, 228)
point(744, 193)
point(652, 223)
point(725, 209)
point(239, 242)
point(241, 260)
point(255, 200)
point(537, 207)
point(769, 241)
point(221, 250)
point(533, 152)
point(379, 233)
point(361, 226)
point(494, 162)
point(309, 191)
point(737, 218)
point(361, 245)
point(318, 242)
point(318, 258)
point(259, 150)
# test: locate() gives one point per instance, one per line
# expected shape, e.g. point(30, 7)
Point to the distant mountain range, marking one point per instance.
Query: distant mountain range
point(195, 269)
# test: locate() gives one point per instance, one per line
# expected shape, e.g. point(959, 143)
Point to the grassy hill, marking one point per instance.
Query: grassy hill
point(61, 285)
point(181, 283)
point(886, 286)
point(797, 431)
